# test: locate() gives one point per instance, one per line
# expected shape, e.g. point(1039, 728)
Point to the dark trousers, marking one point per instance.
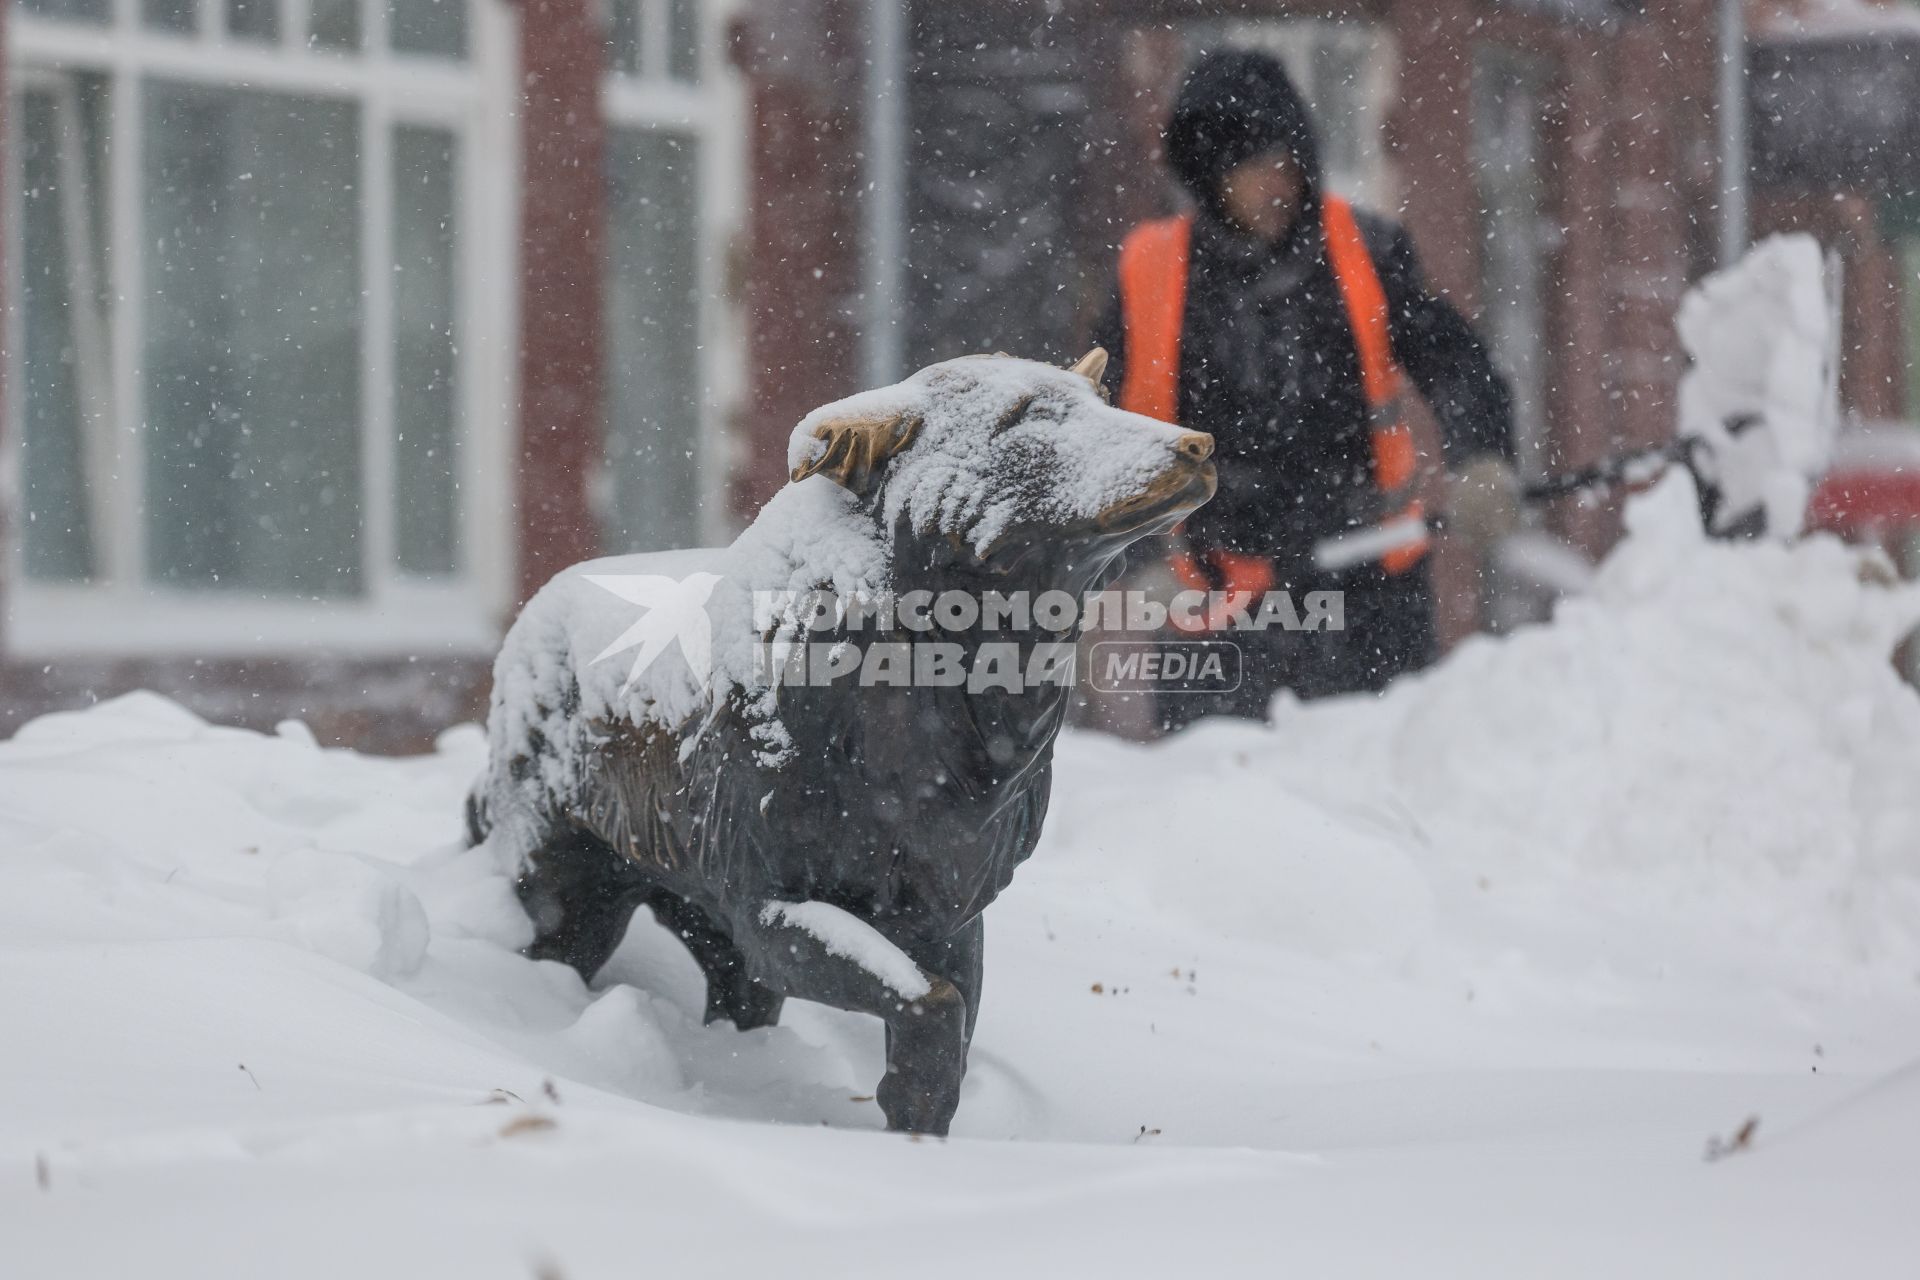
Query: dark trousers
point(1389, 630)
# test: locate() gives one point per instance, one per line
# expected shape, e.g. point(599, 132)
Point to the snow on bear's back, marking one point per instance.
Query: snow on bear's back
point(662, 637)
point(614, 639)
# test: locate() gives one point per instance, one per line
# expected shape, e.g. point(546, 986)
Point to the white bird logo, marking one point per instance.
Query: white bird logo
point(676, 609)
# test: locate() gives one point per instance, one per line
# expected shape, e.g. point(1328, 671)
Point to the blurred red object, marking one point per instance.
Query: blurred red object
point(1871, 495)
point(1872, 491)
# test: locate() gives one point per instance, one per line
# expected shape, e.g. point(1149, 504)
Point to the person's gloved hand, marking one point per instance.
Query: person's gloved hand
point(1483, 501)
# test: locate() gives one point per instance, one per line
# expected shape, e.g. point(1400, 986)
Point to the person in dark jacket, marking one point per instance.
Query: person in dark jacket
point(1280, 359)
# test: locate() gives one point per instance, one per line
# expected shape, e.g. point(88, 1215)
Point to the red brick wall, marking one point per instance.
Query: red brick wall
point(801, 262)
point(1873, 359)
point(1646, 264)
point(1628, 156)
point(562, 242)
point(1430, 140)
point(1430, 137)
point(1580, 394)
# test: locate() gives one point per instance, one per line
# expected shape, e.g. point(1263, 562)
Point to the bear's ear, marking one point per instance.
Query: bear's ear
point(853, 448)
point(1092, 366)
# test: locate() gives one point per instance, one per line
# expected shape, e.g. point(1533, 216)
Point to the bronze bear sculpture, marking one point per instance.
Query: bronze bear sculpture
point(827, 838)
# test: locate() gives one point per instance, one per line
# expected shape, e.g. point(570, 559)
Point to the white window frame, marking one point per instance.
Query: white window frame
point(714, 113)
point(124, 614)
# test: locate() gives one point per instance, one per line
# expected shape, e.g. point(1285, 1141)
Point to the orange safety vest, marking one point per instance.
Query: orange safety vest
point(1153, 300)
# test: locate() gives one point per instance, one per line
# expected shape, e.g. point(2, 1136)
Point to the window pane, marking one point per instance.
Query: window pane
point(423, 350)
point(623, 36)
point(653, 336)
point(1515, 245)
point(254, 19)
point(434, 27)
point(334, 24)
point(72, 10)
point(1339, 99)
point(253, 322)
point(170, 15)
point(62, 334)
point(1910, 251)
point(683, 49)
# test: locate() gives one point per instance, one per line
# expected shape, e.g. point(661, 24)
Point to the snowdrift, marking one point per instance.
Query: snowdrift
point(1484, 962)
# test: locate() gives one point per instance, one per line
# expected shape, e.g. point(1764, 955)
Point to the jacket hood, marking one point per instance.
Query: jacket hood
point(1234, 105)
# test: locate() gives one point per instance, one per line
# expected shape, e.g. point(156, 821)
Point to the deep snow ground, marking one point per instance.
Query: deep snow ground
point(1460, 981)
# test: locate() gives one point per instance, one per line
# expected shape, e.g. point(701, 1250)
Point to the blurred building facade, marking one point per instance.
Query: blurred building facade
point(334, 327)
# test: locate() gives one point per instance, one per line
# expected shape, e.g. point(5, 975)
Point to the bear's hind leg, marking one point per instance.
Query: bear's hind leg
point(731, 992)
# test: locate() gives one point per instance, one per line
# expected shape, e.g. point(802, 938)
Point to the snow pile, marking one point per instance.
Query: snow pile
point(1489, 959)
point(1713, 737)
point(1761, 396)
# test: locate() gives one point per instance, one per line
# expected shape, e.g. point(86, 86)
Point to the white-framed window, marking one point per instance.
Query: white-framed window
point(1345, 69)
point(675, 175)
point(262, 268)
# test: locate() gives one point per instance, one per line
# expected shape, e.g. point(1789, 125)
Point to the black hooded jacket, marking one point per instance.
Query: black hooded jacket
point(1268, 362)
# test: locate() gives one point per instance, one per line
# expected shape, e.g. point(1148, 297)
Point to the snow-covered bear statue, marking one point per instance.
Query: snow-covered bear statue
point(801, 751)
